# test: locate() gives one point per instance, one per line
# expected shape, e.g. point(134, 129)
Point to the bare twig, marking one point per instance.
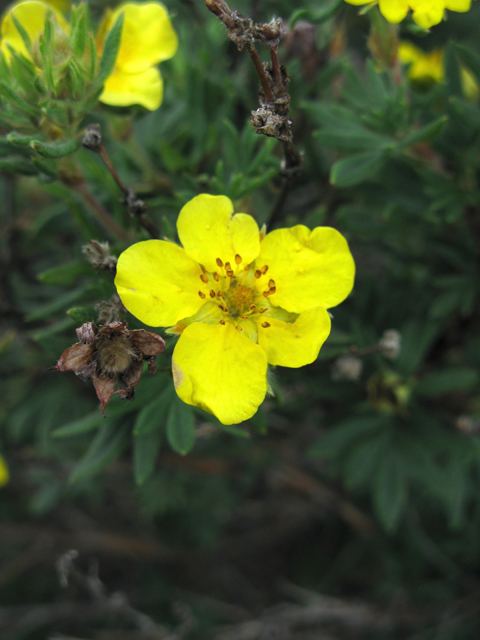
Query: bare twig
point(103, 215)
point(92, 140)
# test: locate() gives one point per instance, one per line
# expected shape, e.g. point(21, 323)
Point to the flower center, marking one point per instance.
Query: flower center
point(238, 298)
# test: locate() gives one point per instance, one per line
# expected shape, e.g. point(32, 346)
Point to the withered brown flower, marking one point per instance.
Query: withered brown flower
point(111, 355)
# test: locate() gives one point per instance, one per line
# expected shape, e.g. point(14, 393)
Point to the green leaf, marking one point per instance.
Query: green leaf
point(46, 166)
point(180, 426)
point(153, 415)
point(343, 435)
point(448, 381)
point(426, 134)
point(58, 304)
point(18, 165)
point(110, 50)
point(18, 140)
point(109, 443)
point(470, 58)
point(66, 274)
point(79, 36)
point(453, 72)
point(356, 169)
point(390, 491)
point(145, 453)
point(47, 65)
point(21, 30)
point(93, 55)
point(82, 425)
point(55, 149)
point(82, 314)
point(9, 94)
point(323, 15)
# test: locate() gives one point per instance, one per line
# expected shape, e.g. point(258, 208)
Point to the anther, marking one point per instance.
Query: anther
point(252, 307)
point(219, 262)
point(216, 277)
point(238, 328)
point(203, 278)
point(271, 283)
point(220, 293)
point(212, 293)
point(265, 325)
point(258, 273)
point(222, 321)
point(238, 259)
point(202, 295)
point(247, 267)
point(272, 289)
point(228, 266)
point(264, 269)
point(229, 273)
point(263, 310)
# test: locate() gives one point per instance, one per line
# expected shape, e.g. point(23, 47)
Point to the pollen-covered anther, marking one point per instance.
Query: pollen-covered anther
point(239, 328)
point(264, 269)
point(270, 292)
point(230, 273)
point(204, 278)
point(265, 324)
point(263, 310)
point(247, 267)
point(202, 295)
point(216, 277)
point(212, 293)
point(220, 293)
point(252, 307)
point(228, 266)
point(219, 262)
point(222, 321)
point(271, 284)
point(258, 274)
point(238, 259)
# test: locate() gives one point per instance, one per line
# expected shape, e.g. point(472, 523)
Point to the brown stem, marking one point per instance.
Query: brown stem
point(104, 217)
point(262, 76)
point(277, 74)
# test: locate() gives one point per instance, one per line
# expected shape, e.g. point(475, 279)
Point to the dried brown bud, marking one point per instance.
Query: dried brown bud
point(98, 254)
point(92, 138)
point(111, 356)
point(265, 122)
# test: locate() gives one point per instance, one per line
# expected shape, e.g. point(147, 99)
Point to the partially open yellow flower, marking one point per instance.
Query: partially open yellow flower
point(239, 301)
point(426, 13)
point(147, 38)
point(31, 15)
point(427, 68)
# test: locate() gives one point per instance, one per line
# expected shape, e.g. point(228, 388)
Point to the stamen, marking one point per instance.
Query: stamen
point(204, 278)
point(265, 325)
point(219, 262)
point(216, 277)
point(238, 259)
point(272, 289)
point(263, 310)
point(222, 321)
point(238, 328)
point(212, 293)
point(202, 295)
point(229, 273)
point(252, 307)
point(258, 273)
point(220, 293)
point(270, 292)
point(228, 266)
point(247, 267)
point(264, 269)
point(271, 283)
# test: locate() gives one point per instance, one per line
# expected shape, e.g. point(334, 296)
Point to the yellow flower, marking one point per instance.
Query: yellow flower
point(4, 473)
point(239, 301)
point(147, 38)
point(426, 13)
point(425, 68)
point(31, 15)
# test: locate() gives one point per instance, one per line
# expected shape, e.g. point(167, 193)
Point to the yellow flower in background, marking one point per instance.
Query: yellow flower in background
point(427, 68)
point(238, 300)
point(147, 39)
point(31, 15)
point(4, 473)
point(426, 13)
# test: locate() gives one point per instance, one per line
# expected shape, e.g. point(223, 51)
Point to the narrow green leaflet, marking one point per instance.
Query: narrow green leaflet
point(108, 444)
point(180, 426)
point(153, 415)
point(356, 169)
point(390, 490)
point(426, 134)
point(448, 381)
point(145, 453)
point(110, 50)
point(55, 149)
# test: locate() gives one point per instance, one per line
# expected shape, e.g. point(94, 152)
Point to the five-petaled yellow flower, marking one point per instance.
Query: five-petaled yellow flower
point(426, 13)
point(238, 299)
point(147, 39)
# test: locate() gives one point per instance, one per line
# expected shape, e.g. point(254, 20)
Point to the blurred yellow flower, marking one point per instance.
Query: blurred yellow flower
point(4, 473)
point(426, 13)
point(147, 39)
point(427, 68)
point(238, 300)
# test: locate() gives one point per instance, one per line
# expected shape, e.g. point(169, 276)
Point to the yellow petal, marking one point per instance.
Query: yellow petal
point(427, 13)
point(310, 268)
point(147, 35)
point(4, 473)
point(158, 283)
point(294, 344)
point(221, 371)
point(31, 15)
point(458, 5)
point(208, 230)
point(393, 10)
point(357, 2)
point(424, 67)
point(123, 89)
